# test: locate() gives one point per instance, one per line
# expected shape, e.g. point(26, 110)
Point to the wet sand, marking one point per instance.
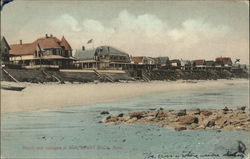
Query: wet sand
point(51, 95)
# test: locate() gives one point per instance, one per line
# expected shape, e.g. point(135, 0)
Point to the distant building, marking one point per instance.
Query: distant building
point(162, 61)
point(210, 64)
point(5, 48)
point(175, 63)
point(199, 64)
point(143, 60)
point(223, 62)
point(102, 57)
point(48, 52)
point(185, 64)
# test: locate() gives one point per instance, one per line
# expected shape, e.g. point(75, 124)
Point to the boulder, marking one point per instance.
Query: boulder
point(104, 112)
point(120, 115)
point(161, 114)
point(206, 113)
point(180, 128)
point(137, 115)
point(181, 113)
point(112, 119)
point(220, 121)
point(188, 119)
point(211, 123)
point(225, 109)
point(197, 112)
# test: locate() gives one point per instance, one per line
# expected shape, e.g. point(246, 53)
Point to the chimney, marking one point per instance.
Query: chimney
point(46, 35)
point(51, 35)
point(21, 42)
point(83, 48)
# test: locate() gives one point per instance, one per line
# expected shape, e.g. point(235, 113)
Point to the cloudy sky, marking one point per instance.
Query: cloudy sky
point(178, 29)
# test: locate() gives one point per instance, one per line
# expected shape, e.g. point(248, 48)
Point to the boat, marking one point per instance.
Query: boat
point(13, 88)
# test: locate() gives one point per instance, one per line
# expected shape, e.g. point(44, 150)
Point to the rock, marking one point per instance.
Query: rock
point(206, 113)
point(197, 112)
point(112, 119)
point(188, 119)
point(161, 114)
point(220, 121)
point(242, 108)
point(104, 112)
point(137, 115)
point(180, 128)
point(211, 123)
point(181, 113)
point(120, 115)
point(225, 109)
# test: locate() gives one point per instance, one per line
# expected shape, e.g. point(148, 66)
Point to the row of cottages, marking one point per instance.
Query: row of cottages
point(46, 52)
point(102, 57)
point(201, 64)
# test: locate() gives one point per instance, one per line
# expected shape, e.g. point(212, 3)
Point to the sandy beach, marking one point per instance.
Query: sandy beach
point(51, 95)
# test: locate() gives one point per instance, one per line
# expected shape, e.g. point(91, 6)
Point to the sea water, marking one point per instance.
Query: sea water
point(76, 132)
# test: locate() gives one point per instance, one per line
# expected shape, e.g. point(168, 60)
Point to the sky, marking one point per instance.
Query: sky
point(178, 29)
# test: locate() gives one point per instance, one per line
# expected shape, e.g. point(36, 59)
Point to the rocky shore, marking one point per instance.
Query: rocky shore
point(211, 119)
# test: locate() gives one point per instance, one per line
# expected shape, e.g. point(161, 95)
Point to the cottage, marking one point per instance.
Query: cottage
point(175, 63)
point(5, 48)
point(224, 62)
point(48, 52)
point(162, 62)
point(102, 57)
point(210, 64)
point(143, 60)
point(199, 64)
point(185, 64)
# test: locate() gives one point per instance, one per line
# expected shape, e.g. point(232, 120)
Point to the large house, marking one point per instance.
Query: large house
point(102, 57)
point(48, 52)
point(5, 48)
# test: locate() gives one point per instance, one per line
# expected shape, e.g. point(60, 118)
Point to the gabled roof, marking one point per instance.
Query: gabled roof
point(44, 43)
point(23, 49)
point(5, 42)
point(48, 43)
point(65, 44)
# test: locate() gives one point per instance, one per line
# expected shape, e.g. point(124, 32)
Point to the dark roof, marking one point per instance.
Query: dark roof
point(210, 63)
point(45, 43)
point(6, 43)
point(99, 51)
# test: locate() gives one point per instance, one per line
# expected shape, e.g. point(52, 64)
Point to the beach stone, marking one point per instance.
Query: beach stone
point(112, 119)
point(197, 112)
point(180, 128)
point(225, 109)
point(188, 119)
point(220, 121)
point(137, 115)
point(181, 113)
point(206, 113)
point(211, 123)
point(161, 114)
point(120, 115)
point(104, 112)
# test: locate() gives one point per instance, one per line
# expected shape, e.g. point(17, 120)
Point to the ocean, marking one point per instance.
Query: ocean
point(77, 133)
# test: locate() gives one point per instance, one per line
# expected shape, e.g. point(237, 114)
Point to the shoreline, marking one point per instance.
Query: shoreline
point(36, 97)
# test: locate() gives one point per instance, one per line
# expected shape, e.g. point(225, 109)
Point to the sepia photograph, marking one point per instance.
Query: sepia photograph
point(124, 79)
